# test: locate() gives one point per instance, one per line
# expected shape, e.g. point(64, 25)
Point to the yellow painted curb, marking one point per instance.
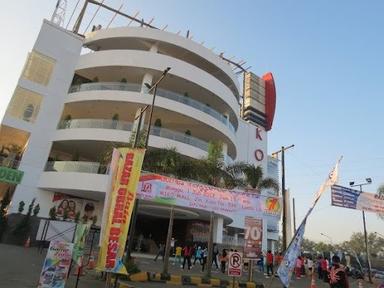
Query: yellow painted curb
point(251, 285)
point(195, 280)
point(215, 282)
point(139, 277)
point(204, 285)
point(157, 277)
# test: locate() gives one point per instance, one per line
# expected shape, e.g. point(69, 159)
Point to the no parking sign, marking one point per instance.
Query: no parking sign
point(235, 264)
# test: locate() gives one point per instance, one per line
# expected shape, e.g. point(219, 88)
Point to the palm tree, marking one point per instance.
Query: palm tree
point(254, 178)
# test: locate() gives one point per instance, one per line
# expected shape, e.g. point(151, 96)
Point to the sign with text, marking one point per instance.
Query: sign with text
point(253, 237)
point(56, 265)
point(120, 210)
point(9, 175)
point(235, 264)
point(354, 199)
point(235, 204)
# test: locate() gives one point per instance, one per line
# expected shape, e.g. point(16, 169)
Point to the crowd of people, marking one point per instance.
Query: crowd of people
point(328, 270)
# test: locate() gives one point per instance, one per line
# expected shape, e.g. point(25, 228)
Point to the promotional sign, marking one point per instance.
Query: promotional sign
point(56, 265)
point(120, 210)
point(354, 199)
point(9, 175)
point(235, 204)
point(235, 264)
point(81, 234)
point(253, 237)
point(69, 207)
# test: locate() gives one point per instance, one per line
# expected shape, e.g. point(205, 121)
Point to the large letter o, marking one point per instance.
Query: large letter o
point(259, 155)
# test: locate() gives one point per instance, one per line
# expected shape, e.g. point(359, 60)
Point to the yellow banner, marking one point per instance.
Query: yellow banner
point(119, 209)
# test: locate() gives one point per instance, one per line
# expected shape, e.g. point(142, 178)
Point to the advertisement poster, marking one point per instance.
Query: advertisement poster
point(67, 207)
point(253, 237)
point(354, 199)
point(56, 265)
point(235, 204)
point(121, 204)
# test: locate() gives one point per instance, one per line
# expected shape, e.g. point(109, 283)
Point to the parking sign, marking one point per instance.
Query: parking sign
point(235, 264)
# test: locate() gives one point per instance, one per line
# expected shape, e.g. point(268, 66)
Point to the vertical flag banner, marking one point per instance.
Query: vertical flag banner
point(56, 265)
point(122, 199)
point(293, 251)
point(253, 237)
point(81, 234)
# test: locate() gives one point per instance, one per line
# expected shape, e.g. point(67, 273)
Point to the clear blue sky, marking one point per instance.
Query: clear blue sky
point(327, 59)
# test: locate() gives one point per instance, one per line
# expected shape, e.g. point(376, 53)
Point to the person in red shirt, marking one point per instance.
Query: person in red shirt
point(337, 276)
point(269, 263)
point(324, 269)
point(187, 253)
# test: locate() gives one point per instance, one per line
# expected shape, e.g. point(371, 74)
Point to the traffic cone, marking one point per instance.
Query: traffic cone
point(91, 263)
point(313, 281)
point(27, 243)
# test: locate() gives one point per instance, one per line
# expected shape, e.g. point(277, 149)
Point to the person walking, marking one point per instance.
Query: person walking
point(160, 252)
point(319, 267)
point(223, 260)
point(269, 263)
point(187, 252)
point(177, 259)
point(324, 269)
point(198, 256)
point(204, 255)
point(310, 265)
point(215, 255)
point(299, 262)
point(337, 275)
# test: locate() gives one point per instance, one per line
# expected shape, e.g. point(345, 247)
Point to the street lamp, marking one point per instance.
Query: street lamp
point(154, 87)
point(352, 184)
point(325, 235)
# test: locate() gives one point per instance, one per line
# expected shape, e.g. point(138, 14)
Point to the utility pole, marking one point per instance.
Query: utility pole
point(352, 184)
point(283, 192)
point(294, 215)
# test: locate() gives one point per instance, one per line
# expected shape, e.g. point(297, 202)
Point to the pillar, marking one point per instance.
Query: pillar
point(218, 225)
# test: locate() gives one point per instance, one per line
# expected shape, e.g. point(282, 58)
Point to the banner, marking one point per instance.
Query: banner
point(120, 210)
point(253, 237)
point(81, 234)
point(235, 204)
point(56, 265)
point(293, 251)
point(354, 199)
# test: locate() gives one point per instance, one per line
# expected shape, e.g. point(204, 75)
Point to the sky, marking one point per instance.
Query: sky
point(327, 61)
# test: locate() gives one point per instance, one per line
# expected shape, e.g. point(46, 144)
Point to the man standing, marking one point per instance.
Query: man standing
point(337, 275)
point(160, 252)
point(187, 252)
point(269, 263)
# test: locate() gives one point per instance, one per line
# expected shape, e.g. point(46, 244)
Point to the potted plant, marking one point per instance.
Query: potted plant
point(67, 121)
point(188, 132)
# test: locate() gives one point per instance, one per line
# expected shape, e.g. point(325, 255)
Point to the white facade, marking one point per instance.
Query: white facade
point(197, 102)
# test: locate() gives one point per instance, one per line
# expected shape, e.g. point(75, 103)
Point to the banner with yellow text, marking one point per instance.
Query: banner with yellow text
point(120, 210)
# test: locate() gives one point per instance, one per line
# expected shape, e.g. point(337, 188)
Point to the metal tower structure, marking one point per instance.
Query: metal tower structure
point(58, 15)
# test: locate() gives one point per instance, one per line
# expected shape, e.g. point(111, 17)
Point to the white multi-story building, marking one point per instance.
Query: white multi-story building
point(77, 95)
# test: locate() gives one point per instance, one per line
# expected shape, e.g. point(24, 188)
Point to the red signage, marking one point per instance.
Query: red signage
point(235, 264)
point(253, 237)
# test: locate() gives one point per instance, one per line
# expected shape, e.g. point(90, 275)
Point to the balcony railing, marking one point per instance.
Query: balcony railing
point(76, 166)
point(127, 126)
point(160, 92)
point(9, 162)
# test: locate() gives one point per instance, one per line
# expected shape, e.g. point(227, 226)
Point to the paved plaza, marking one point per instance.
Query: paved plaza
point(21, 268)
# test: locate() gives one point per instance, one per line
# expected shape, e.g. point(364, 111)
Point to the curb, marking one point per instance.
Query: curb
point(173, 279)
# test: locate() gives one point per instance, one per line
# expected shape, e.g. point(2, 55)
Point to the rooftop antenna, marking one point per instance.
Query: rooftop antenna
point(58, 15)
point(114, 16)
point(134, 16)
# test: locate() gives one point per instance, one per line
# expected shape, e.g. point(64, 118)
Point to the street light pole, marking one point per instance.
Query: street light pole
point(135, 145)
point(330, 239)
point(352, 184)
point(283, 193)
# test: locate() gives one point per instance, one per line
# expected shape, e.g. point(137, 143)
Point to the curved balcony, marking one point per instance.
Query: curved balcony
point(160, 92)
point(127, 126)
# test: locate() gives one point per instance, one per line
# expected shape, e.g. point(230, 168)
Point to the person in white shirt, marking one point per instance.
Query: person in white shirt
point(310, 265)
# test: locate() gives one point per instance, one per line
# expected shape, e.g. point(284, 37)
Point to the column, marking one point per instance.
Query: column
point(218, 225)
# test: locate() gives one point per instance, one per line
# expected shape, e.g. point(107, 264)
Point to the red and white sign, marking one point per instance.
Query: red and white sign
point(235, 264)
point(253, 237)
